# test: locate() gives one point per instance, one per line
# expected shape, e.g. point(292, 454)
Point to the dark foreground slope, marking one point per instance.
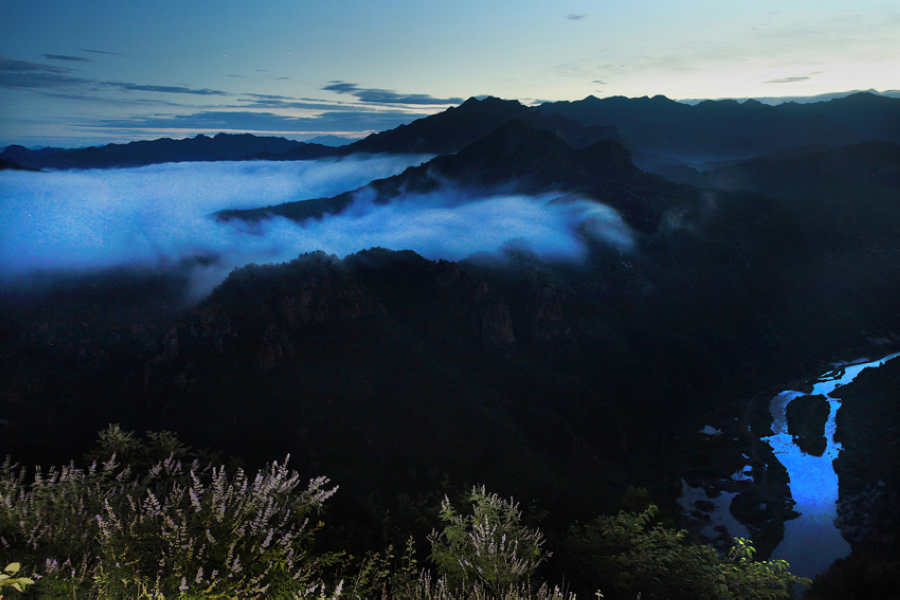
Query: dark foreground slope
point(562, 383)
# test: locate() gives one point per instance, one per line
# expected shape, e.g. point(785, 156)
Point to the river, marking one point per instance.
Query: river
point(811, 541)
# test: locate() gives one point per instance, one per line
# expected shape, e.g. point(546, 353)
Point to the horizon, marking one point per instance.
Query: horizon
point(70, 76)
point(330, 139)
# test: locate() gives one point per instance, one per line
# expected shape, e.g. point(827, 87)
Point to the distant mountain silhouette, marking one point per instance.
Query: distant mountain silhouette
point(222, 146)
point(800, 99)
point(857, 170)
point(455, 128)
point(331, 140)
point(726, 128)
point(8, 165)
point(445, 132)
point(658, 131)
point(514, 158)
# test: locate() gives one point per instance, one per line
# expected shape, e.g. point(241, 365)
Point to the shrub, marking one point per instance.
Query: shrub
point(489, 548)
point(9, 580)
point(629, 554)
point(173, 531)
point(427, 588)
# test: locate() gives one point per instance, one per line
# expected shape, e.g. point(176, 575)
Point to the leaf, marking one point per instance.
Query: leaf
point(13, 568)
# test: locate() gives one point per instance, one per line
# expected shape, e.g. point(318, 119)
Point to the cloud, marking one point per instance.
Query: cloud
point(275, 103)
point(381, 96)
point(67, 58)
point(112, 101)
point(100, 52)
point(167, 89)
point(24, 74)
point(8, 65)
point(576, 17)
point(793, 79)
point(344, 121)
point(28, 75)
point(269, 96)
point(37, 80)
point(160, 214)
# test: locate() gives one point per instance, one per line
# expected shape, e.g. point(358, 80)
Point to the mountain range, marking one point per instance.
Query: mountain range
point(658, 131)
point(222, 146)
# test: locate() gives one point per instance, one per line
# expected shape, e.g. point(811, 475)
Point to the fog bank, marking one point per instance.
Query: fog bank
point(160, 214)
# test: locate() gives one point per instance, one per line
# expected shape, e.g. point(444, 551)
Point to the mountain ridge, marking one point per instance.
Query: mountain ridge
point(514, 158)
point(222, 146)
point(657, 130)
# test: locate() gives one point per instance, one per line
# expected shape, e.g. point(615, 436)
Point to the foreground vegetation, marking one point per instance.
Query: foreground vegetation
point(152, 519)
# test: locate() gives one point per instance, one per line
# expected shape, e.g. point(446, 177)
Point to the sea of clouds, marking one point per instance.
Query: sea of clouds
point(160, 214)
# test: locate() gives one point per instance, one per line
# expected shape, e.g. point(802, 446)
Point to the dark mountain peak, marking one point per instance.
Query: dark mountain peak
point(865, 99)
point(516, 135)
point(575, 134)
point(532, 159)
point(445, 132)
point(515, 149)
point(490, 103)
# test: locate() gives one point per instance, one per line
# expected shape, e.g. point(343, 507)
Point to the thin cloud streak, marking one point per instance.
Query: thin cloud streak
point(9, 65)
point(794, 79)
point(382, 96)
point(66, 57)
point(101, 52)
point(167, 89)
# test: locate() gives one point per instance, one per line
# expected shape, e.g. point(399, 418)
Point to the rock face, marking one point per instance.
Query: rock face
point(806, 418)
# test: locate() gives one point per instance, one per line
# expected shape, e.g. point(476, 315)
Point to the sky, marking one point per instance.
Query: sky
point(95, 71)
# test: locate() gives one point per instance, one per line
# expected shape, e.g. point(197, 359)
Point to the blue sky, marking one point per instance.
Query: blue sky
point(96, 71)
